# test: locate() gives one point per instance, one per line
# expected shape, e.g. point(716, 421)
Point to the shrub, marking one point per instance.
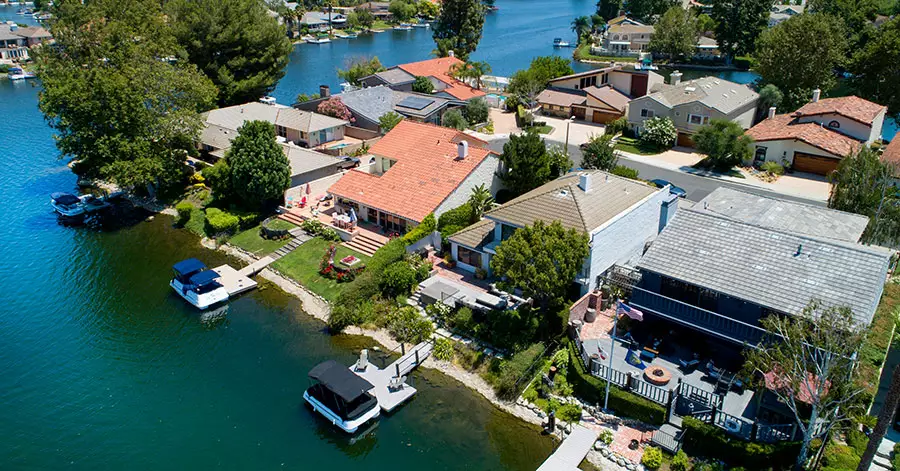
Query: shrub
point(624, 171)
point(454, 119)
point(659, 132)
point(219, 222)
point(701, 439)
point(312, 227)
point(406, 325)
point(772, 168)
point(680, 462)
point(858, 441)
point(440, 312)
point(561, 359)
point(839, 457)
point(454, 220)
point(330, 234)
point(443, 349)
point(397, 279)
point(617, 126)
point(652, 458)
point(606, 436)
point(421, 231)
point(569, 413)
point(476, 111)
point(340, 318)
point(184, 209)
point(463, 319)
point(514, 369)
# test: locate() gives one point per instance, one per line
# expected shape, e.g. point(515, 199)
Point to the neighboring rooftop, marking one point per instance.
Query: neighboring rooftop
point(425, 172)
point(774, 213)
point(562, 96)
point(892, 152)
point(630, 29)
point(233, 117)
point(786, 127)
point(774, 269)
point(305, 160)
point(476, 235)
point(853, 107)
point(564, 200)
point(439, 68)
point(711, 91)
point(395, 76)
point(374, 102)
point(609, 95)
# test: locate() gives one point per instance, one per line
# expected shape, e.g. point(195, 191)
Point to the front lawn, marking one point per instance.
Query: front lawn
point(302, 265)
point(252, 242)
point(583, 53)
point(635, 146)
point(381, 24)
point(540, 129)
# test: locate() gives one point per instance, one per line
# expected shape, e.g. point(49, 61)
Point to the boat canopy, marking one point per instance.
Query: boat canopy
point(340, 380)
point(188, 266)
point(204, 278)
point(65, 198)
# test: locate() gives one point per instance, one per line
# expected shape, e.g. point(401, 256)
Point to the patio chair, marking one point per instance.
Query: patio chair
point(396, 383)
point(688, 366)
point(303, 202)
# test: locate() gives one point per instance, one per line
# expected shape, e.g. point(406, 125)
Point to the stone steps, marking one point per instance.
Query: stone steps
point(291, 218)
point(363, 244)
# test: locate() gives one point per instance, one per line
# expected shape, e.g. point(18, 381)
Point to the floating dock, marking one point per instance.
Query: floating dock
point(389, 398)
point(234, 281)
point(572, 451)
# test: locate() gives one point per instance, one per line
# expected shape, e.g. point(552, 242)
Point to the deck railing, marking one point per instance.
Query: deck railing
point(666, 441)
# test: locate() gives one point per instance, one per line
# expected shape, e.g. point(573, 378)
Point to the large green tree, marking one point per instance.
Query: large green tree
point(648, 10)
point(600, 153)
point(235, 43)
point(526, 162)
point(260, 172)
point(609, 9)
point(360, 67)
point(739, 23)
point(857, 16)
point(876, 68)
point(402, 10)
point(801, 54)
point(120, 111)
point(725, 143)
point(581, 26)
point(529, 82)
point(863, 184)
point(675, 34)
point(541, 260)
point(458, 27)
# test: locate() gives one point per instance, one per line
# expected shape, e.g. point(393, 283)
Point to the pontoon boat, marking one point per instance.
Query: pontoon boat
point(342, 397)
point(197, 285)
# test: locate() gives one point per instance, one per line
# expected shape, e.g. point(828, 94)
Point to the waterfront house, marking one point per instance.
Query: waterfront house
point(779, 13)
point(321, 21)
point(418, 169)
point(16, 40)
point(733, 259)
point(623, 20)
point(816, 137)
point(620, 216)
point(381, 10)
point(437, 70)
point(368, 105)
point(891, 156)
point(597, 95)
point(692, 104)
point(627, 39)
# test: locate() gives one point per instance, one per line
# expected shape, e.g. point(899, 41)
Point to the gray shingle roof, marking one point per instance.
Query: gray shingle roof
point(565, 201)
point(305, 160)
point(374, 102)
point(476, 235)
point(306, 121)
point(233, 117)
point(217, 136)
point(396, 76)
point(713, 92)
point(762, 265)
point(799, 218)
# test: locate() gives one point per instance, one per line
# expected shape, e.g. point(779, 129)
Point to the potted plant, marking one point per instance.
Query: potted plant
point(604, 297)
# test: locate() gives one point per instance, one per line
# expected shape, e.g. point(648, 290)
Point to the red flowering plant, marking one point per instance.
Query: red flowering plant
point(335, 108)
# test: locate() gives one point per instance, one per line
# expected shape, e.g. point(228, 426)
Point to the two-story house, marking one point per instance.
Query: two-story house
point(597, 95)
point(418, 169)
point(620, 216)
point(692, 104)
point(627, 38)
point(816, 137)
point(735, 258)
point(438, 71)
point(15, 40)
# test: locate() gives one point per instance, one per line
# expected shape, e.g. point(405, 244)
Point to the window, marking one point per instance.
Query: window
point(588, 81)
point(834, 125)
point(645, 113)
point(604, 79)
point(624, 37)
point(697, 119)
point(615, 37)
point(506, 231)
point(760, 155)
point(282, 131)
point(469, 257)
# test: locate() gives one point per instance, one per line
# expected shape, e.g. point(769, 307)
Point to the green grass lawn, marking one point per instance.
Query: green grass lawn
point(634, 146)
point(380, 24)
point(583, 52)
point(302, 265)
point(197, 222)
point(541, 129)
point(252, 242)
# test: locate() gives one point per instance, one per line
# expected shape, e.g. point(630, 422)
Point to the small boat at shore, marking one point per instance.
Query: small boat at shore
point(341, 396)
point(68, 205)
point(421, 25)
point(351, 36)
point(198, 285)
point(559, 42)
point(403, 27)
point(320, 39)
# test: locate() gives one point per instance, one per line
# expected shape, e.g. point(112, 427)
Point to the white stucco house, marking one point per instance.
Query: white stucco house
point(620, 216)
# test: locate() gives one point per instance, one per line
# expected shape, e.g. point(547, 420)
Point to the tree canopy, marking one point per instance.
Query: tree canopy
point(581, 26)
point(527, 162)
point(365, 17)
point(609, 9)
point(235, 43)
point(476, 111)
point(862, 184)
point(454, 119)
point(388, 120)
point(876, 68)
point(739, 23)
point(360, 67)
point(725, 143)
point(529, 82)
point(458, 27)
point(423, 85)
point(676, 33)
point(402, 10)
point(801, 54)
point(480, 200)
point(260, 172)
point(120, 111)
point(541, 260)
point(648, 10)
point(600, 153)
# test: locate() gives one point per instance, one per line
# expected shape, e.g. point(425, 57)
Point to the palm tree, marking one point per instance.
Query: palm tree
point(581, 26)
point(885, 419)
point(480, 201)
point(477, 71)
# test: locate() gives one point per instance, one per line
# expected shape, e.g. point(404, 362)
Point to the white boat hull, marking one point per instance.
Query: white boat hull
point(350, 426)
point(200, 301)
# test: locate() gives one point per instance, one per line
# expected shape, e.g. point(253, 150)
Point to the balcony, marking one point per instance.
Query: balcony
point(695, 317)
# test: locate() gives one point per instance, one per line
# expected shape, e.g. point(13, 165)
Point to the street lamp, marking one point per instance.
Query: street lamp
point(568, 122)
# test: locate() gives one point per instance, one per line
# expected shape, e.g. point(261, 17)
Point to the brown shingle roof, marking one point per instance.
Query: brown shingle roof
point(609, 95)
point(784, 126)
point(852, 107)
point(892, 152)
point(559, 97)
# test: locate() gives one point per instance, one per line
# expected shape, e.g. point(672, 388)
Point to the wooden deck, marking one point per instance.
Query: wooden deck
point(234, 281)
point(389, 399)
point(572, 451)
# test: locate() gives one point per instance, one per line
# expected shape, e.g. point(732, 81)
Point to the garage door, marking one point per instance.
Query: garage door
point(604, 118)
point(814, 163)
point(685, 140)
point(578, 112)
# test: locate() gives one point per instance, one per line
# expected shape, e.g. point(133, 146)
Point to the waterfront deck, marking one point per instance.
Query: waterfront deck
point(572, 450)
point(236, 282)
point(390, 398)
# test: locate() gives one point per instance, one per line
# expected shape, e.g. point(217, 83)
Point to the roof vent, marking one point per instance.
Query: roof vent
point(462, 150)
point(799, 250)
point(706, 205)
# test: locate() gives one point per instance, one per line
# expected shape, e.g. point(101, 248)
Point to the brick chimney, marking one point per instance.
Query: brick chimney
point(324, 91)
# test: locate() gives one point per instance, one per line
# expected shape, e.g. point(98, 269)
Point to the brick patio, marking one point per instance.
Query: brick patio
point(623, 435)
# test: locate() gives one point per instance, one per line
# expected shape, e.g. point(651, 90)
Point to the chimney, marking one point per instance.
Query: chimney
point(584, 182)
point(462, 150)
point(771, 112)
point(324, 91)
point(675, 78)
point(450, 53)
point(816, 94)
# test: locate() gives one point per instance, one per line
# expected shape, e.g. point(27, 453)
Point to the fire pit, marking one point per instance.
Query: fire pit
point(657, 375)
point(633, 445)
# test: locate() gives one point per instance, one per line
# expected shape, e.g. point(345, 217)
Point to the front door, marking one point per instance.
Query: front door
point(759, 157)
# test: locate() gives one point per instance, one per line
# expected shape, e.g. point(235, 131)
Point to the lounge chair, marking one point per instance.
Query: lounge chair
point(688, 366)
point(396, 383)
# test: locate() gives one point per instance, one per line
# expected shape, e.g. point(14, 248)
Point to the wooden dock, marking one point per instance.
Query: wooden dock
point(572, 450)
point(234, 281)
point(390, 398)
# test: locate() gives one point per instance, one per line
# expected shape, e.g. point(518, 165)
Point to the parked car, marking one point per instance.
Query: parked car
point(349, 162)
point(675, 190)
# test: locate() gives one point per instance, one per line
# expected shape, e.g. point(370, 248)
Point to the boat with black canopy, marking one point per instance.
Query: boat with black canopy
point(341, 396)
point(197, 285)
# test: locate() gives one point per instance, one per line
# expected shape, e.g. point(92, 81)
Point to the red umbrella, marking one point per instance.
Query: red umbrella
point(308, 189)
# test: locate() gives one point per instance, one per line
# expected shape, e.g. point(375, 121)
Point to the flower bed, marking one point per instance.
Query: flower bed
point(329, 270)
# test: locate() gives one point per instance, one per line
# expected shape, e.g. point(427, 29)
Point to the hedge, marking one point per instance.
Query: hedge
point(419, 232)
point(184, 209)
point(454, 220)
point(220, 222)
point(702, 439)
point(878, 341)
point(593, 389)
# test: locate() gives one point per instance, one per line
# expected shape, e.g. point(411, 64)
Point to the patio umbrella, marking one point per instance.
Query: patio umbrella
point(352, 215)
point(308, 189)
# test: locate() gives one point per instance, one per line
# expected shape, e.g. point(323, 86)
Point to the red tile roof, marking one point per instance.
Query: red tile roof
point(784, 127)
point(426, 171)
point(892, 151)
point(852, 107)
point(439, 68)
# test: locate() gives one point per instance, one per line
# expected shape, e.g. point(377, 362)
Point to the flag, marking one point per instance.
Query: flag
point(634, 359)
point(602, 352)
point(629, 311)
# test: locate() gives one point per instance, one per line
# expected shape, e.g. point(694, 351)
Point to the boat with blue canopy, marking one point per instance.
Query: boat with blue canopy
point(198, 285)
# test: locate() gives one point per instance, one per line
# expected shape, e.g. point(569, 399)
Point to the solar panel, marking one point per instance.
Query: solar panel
point(415, 102)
